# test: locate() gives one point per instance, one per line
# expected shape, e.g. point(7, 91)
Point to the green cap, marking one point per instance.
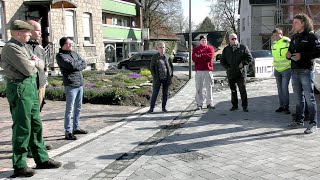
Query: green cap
point(18, 25)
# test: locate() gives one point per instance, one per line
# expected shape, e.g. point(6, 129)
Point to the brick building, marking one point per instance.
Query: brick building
point(79, 20)
point(258, 18)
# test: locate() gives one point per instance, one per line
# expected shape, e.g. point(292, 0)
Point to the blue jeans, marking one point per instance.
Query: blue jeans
point(283, 79)
point(73, 101)
point(155, 92)
point(302, 81)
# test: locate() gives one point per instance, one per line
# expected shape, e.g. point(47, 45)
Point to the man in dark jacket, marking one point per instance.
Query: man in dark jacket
point(234, 57)
point(162, 72)
point(71, 65)
point(303, 49)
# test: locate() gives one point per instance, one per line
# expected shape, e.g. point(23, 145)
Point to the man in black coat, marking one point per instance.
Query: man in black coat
point(71, 65)
point(162, 72)
point(234, 57)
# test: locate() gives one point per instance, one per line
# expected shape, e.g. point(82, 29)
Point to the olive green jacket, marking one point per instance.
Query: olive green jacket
point(16, 60)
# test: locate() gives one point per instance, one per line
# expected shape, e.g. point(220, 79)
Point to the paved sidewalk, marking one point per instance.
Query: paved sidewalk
point(189, 144)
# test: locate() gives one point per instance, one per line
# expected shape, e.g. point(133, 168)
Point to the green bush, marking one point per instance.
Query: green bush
point(55, 93)
point(100, 88)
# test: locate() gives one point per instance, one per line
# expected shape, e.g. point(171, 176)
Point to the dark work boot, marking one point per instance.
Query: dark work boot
point(23, 172)
point(286, 110)
point(234, 108)
point(70, 136)
point(50, 164)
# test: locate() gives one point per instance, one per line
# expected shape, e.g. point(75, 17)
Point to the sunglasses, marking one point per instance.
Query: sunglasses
point(233, 39)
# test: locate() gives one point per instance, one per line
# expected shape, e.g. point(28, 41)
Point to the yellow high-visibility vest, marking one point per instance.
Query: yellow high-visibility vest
point(279, 51)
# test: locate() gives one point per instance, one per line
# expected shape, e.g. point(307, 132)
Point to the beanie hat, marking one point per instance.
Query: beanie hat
point(62, 41)
point(202, 36)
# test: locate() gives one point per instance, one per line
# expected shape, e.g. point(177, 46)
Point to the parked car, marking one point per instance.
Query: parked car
point(258, 55)
point(218, 57)
point(181, 57)
point(317, 75)
point(138, 61)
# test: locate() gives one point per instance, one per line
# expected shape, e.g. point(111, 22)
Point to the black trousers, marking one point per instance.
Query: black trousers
point(240, 82)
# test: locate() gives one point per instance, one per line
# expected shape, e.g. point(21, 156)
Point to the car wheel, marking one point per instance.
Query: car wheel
point(124, 67)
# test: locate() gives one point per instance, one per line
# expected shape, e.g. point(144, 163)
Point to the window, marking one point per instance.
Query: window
point(87, 27)
point(147, 56)
point(70, 25)
point(120, 22)
point(136, 57)
point(2, 32)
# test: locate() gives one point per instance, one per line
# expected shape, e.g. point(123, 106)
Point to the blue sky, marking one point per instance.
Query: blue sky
point(199, 9)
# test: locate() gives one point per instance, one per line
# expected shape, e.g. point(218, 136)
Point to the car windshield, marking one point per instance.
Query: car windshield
point(182, 53)
point(262, 53)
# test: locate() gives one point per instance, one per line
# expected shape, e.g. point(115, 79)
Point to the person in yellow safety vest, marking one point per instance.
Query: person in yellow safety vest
point(282, 68)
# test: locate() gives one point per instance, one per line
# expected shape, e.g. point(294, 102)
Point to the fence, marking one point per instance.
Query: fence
point(263, 68)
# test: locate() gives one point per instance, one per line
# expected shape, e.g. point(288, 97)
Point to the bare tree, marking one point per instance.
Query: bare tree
point(159, 16)
point(158, 13)
point(224, 14)
point(206, 25)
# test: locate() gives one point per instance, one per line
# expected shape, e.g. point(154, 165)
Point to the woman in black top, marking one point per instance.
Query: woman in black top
point(304, 48)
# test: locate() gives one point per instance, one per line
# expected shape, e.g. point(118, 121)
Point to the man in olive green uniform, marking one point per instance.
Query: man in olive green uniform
point(20, 68)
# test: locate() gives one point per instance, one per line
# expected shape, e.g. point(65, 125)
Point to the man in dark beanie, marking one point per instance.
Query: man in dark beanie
point(20, 69)
point(71, 65)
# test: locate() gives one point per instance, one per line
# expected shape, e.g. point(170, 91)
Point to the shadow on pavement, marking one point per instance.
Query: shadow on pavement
point(260, 123)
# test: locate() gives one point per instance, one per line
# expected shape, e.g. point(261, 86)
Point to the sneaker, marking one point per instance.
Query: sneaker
point(23, 172)
point(50, 164)
point(245, 109)
point(280, 109)
point(80, 131)
point(234, 108)
point(199, 107)
point(295, 125)
point(164, 110)
point(286, 111)
point(210, 106)
point(311, 129)
point(70, 136)
point(150, 111)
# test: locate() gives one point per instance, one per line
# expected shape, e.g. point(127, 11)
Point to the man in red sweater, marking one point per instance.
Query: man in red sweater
point(202, 56)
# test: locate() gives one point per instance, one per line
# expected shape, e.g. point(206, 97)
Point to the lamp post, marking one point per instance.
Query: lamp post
point(190, 41)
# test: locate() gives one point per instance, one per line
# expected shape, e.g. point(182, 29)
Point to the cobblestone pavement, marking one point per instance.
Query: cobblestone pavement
point(93, 118)
point(189, 144)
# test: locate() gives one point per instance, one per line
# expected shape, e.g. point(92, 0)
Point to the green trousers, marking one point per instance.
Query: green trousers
point(23, 99)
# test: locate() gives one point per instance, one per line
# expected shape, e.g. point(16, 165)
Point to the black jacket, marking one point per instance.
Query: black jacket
point(71, 65)
point(230, 60)
point(154, 68)
point(308, 45)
